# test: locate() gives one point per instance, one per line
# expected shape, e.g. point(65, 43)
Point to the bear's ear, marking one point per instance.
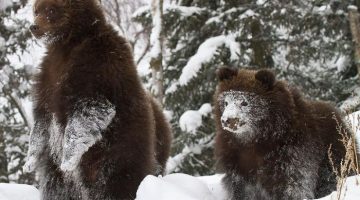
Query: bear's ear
point(266, 77)
point(226, 73)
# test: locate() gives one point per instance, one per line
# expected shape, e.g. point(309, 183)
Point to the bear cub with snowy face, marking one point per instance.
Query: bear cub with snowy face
point(271, 142)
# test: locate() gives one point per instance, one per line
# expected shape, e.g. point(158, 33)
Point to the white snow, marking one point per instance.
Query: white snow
point(205, 53)
point(322, 10)
point(352, 7)
point(260, 2)
point(191, 120)
point(172, 88)
point(238, 109)
point(185, 187)
point(140, 11)
point(205, 109)
point(168, 115)
point(155, 37)
point(2, 44)
point(354, 122)
point(185, 11)
point(180, 187)
point(176, 161)
point(235, 112)
point(352, 102)
point(143, 68)
point(351, 191)
point(342, 62)
point(84, 129)
point(18, 192)
point(247, 14)
point(4, 4)
point(174, 187)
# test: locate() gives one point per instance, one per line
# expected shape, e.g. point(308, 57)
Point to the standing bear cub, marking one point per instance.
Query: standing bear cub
point(271, 142)
point(97, 133)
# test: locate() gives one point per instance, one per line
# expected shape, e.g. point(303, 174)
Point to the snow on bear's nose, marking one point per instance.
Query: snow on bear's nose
point(232, 117)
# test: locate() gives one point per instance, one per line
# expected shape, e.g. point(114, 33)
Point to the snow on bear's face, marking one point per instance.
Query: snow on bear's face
point(242, 113)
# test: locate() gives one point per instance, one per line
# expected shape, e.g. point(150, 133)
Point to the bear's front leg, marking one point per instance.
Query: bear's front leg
point(38, 139)
point(84, 128)
point(240, 188)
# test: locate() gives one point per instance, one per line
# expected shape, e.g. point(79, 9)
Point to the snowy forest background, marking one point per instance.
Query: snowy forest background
point(178, 45)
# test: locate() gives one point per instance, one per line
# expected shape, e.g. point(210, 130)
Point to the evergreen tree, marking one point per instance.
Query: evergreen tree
point(307, 43)
point(14, 90)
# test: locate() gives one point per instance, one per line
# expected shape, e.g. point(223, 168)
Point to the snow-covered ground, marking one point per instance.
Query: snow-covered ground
point(351, 190)
point(174, 187)
point(181, 187)
point(18, 192)
point(185, 187)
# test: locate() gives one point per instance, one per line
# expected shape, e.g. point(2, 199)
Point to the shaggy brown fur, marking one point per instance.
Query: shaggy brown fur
point(282, 152)
point(86, 59)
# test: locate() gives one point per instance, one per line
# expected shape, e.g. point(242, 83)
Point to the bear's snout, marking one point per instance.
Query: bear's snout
point(231, 123)
point(36, 31)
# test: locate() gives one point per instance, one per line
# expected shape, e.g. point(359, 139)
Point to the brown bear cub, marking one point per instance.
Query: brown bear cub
point(97, 133)
point(271, 142)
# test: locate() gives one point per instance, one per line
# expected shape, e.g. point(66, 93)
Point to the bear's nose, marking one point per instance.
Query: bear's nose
point(34, 27)
point(224, 121)
point(232, 123)
point(229, 121)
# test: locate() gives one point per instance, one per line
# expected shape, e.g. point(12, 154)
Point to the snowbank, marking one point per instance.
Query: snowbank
point(351, 189)
point(185, 187)
point(173, 187)
point(18, 192)
point(181, 187)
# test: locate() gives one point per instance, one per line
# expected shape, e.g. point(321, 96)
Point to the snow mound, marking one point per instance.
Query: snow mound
point(18, 192)
point(186, 187)
point(180, 187)
point(174, 187)
point(351, 190)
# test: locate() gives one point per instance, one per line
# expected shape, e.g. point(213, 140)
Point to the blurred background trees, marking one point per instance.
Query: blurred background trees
point(15, 75)
point(178, 45)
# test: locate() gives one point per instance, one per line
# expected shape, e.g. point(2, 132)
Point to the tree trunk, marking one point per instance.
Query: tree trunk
point(355, 31)
point(261, 53)
point(3, 159)
point(157, 42)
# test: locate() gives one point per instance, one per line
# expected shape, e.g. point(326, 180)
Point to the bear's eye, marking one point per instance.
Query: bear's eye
point(244, 103)
point(36, 13)
point(226, 103)
point(50, 10)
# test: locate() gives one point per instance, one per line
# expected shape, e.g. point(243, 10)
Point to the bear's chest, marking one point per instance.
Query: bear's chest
point(249, 160)
point(51, 89)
